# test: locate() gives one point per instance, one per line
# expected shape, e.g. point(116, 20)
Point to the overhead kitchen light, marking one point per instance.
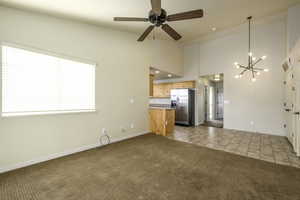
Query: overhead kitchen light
point(157, 72)
point(217, 77)
point(169, 75)
point(214, 29)
point(252, 61)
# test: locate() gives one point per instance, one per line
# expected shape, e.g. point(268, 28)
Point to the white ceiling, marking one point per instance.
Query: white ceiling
point(221, 14)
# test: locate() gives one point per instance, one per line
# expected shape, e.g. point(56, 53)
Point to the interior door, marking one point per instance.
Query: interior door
point(219, 102)
point(211, 103)
point(296, 118)
point(288, 106)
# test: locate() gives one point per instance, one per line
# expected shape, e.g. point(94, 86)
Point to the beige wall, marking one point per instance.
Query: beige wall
point(121, 75)
point(260, 102)
point(293, 28)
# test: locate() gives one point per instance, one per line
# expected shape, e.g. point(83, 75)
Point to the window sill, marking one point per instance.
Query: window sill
point(41, 113)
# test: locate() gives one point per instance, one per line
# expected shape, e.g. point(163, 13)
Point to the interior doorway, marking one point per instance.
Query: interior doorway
point(213, 97)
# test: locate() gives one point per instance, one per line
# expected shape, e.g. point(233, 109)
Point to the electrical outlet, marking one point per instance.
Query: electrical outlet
point(132, 101)
point(104, 131)
point(132, 125)
point(123, 129)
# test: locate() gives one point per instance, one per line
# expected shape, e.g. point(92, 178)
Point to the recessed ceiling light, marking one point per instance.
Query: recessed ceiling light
point(157, 72)
point(214, 29)
point(169, 75)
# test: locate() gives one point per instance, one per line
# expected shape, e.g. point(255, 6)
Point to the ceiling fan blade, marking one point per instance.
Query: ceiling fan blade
point(185, 15)
point(156, 6)
point(130, 19)
point(146, 33)
point(171, 32)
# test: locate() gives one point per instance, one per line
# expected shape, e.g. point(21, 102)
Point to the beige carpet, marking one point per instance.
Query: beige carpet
point(152, 167)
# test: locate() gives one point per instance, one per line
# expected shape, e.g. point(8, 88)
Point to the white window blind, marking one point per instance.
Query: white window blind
point(34, 83)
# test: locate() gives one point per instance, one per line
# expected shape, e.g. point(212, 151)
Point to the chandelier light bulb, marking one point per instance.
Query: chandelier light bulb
point(266, 70)
point(253, 79)
point(254, 58)
point(236, 63)
point(237, 76)
point(264, 57)
point(257, 73)
point(240, 76)
point(250, 54)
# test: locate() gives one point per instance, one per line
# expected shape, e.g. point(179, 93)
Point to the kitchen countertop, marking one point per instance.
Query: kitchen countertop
point(162, 108)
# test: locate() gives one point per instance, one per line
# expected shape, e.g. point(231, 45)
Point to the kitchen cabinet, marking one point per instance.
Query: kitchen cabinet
point(184, 85)
point(167, 89)
point(158, 90)
point(163, 90)
point(162, 121)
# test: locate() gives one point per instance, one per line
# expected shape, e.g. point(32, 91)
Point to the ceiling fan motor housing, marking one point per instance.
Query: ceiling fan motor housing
point(158, 20)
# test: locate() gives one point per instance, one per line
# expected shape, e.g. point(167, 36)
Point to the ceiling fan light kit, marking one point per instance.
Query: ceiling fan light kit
point(252, 61)
point(158, 18)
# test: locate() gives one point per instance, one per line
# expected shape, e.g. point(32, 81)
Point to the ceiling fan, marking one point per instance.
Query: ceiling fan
point(158, 17)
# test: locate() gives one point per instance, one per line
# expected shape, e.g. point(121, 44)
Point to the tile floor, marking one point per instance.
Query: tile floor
point(269, 148)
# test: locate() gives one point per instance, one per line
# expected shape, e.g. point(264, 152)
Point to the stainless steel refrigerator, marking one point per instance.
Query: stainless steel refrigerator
point(184, 101)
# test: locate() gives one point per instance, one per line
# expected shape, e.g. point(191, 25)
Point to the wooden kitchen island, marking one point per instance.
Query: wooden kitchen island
point(162, 120)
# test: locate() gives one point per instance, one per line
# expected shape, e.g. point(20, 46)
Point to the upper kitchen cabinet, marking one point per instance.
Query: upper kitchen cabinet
point(293, 27)
point(163, 90)
point(185, 84)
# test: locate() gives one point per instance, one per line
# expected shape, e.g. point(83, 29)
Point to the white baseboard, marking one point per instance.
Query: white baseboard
point(65, 153)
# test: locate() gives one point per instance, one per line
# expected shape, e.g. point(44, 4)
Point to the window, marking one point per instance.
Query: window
point(36, 83)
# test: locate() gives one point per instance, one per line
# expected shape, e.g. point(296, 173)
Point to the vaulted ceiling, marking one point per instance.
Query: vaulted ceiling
point(217, 13)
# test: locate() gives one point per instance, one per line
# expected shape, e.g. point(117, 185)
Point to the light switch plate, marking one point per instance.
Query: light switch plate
point(132, 125)
point(226, 102)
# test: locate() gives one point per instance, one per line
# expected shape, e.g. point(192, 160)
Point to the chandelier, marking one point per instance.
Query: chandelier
point(252, 61)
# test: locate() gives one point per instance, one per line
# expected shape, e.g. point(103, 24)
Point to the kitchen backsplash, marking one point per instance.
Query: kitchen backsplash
point(160, 101)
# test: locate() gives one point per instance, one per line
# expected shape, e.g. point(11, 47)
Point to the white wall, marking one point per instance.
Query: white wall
point(259, 102)
point(122, 74)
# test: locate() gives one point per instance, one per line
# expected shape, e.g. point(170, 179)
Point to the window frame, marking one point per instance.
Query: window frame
point(48, 53)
